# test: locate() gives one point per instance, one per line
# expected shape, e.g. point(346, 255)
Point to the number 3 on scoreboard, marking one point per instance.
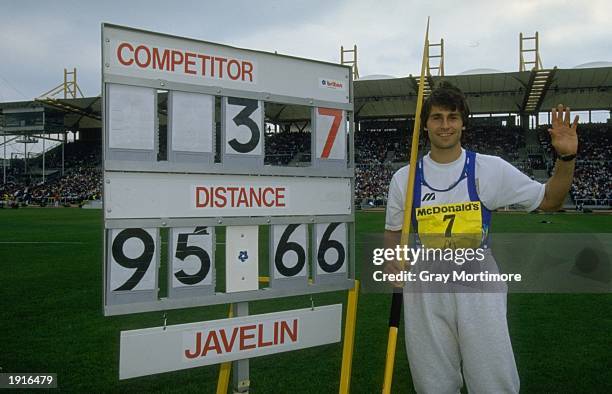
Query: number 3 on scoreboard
point(243, 126)
point(330, 132)
point(133, 259)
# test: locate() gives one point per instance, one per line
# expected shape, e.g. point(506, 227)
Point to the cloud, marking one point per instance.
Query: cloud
point(41, 38)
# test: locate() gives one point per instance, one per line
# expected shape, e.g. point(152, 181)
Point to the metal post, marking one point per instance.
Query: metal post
point(25, 158)
point(240, 377)
point(43, 160)
point(521, 52)
point(63, 143)
point(537, 52)
point(65, 83)
point(4, 160)
point(224, 371)
point(349, 339)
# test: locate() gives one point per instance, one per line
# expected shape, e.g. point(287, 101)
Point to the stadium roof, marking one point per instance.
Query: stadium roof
point(581, 89)
point(388, 97)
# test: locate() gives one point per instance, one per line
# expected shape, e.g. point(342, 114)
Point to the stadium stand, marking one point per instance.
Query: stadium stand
point(384, 123)
point(82, 179)
point(592, 184)
point(281, 148)
point(378, 154)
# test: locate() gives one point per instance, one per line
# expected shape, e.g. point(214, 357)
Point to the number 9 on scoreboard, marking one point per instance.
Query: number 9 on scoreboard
point(132, 265)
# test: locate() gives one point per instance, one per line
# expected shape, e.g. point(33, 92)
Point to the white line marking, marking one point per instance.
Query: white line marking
point(41, 242)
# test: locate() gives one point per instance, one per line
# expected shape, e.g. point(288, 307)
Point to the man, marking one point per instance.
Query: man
point(451, 336)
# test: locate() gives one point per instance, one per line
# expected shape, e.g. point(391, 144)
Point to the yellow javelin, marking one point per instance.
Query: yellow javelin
point(396, 302)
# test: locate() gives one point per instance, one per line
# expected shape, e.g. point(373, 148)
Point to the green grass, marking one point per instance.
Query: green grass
point(52, 321)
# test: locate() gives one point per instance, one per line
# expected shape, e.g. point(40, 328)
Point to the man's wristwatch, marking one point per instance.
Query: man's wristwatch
point(567, 157)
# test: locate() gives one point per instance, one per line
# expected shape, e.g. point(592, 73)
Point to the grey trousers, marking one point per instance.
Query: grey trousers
point(451, 333)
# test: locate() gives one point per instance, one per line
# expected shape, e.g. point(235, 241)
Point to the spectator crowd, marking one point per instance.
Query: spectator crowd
point(82, 180)
point(593, 175)
point(378, 154)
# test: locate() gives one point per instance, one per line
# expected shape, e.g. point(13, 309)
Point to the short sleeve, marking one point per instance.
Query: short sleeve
point(394, 218)
point(502, 184)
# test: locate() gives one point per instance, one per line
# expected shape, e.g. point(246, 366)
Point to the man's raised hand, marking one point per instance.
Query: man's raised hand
point(563, 134)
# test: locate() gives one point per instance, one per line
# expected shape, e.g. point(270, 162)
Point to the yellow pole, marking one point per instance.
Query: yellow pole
point(226, 368)
point(349, 339)
point(396, 304)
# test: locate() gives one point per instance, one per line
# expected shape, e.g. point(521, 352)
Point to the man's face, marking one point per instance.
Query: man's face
point(444, 127)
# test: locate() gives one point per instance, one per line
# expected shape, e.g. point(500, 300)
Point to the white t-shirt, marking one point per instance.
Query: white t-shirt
point(498, 184)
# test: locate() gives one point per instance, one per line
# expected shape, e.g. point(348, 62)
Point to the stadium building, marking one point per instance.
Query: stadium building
point(52, 146)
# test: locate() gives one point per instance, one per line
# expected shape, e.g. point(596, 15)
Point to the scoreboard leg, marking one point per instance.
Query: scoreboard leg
point(226, 368)
point(349, 340)
point(240, 377)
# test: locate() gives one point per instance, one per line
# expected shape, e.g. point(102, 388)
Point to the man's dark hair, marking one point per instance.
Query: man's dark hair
point(448, 96)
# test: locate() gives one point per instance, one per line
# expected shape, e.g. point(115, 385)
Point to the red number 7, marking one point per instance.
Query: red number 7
point(331, 137)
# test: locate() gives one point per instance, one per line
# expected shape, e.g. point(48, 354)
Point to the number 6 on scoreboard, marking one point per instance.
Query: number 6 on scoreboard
point(330, 135)
point(330, 252)
point(289, 255)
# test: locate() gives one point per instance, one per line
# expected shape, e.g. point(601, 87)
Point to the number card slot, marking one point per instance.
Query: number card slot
point(289, 256)
point(242, 126)
point(131, 122)
point(191, 127)
point(329, 138)
point(330, 260)
point(192, 257)
point(132, 265)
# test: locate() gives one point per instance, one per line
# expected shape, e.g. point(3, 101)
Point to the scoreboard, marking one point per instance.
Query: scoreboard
point(209, 183)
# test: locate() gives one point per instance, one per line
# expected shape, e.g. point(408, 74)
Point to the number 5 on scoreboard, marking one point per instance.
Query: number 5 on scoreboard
point(330, 134)
point(192, 261)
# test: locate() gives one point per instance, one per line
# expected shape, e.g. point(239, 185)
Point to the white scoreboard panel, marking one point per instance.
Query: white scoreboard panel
point(331, 252)
point(192, 254)
point(194, 198)
point(289, 256)
point(136, 54)
point(191, 127)
point(243, 128)
point(132, 264)
point(329, 137)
